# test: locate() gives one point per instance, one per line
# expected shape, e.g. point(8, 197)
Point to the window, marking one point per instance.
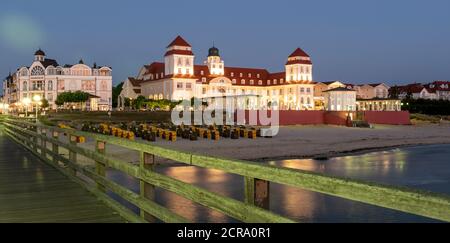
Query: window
point(232, 74)
point(179, 70)
point(179, 85)
point(50, 97)
point(281, 92)
point(204, 91)
point(188, 63)
point(268, 82)
point(50, 85)
point(260, 82)
point(37, 71)
point(157, 76)
point(240, 75)
point(249, 75)
point(257, 75)
point(188, 71)
point(204, 80)
point(188, 86)
point(302, 100)
point(308, 90)
point(243, 81)
point(202, 73)
point(214, 66)
point(179, 62)
point(252, 82)
point(290, 90)
point(302, 90)
point(24, 72)
point(243, 91)
point(274, 81)
point(25, 86)
point(308, 100)
point(233, 81)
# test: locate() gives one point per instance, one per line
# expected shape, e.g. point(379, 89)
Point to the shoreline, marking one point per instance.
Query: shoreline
point(354, 152)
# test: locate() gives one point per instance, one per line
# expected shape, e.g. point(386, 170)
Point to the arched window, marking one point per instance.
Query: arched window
point(161, 96)
point(24, 86)
point(37, 71)
point(50, 85)
point(24, 72)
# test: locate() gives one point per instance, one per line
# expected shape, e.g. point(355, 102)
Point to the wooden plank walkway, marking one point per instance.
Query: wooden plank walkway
point(32, 191)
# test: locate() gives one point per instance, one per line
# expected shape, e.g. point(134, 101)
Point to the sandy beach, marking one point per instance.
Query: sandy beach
point(307, 141)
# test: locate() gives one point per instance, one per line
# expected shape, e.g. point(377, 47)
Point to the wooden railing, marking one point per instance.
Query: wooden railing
point(257, 177)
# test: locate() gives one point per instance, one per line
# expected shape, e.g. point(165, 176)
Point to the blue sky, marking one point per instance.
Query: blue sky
point(353, 41)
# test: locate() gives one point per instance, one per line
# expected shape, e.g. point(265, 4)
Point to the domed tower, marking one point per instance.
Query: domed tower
point(298, 66)
point(214, 63)
point(39, 55)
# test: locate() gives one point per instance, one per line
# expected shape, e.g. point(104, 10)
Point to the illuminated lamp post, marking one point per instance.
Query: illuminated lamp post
point(26, 102)
point(37, 99)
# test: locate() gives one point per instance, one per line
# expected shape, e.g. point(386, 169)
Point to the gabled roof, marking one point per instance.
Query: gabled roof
point(339, 89)
point(179, 41)
point(135, 82)
point(49, 62)
point(299, 53)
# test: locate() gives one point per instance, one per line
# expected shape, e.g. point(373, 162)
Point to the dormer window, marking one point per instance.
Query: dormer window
point(243, 81)
point(233, 81)
point(260, 82)
point(232, 74)
point(249, 75)
point(252, 82)
point(240, 75)
point(202, 73)
point(257, 75)
point(268, 82)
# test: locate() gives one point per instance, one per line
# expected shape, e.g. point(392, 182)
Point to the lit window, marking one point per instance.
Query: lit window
point(249, 75)
point(243, 81)
point(179, 85)
point(188, 86)
point(179, 71)
point(240, 75)
point(204, 80)
point(252, 82)
point(302, 90)
point(233, 81)
point(308, 90)
point(260, 82)
point(257, 75)
point(268, 82)
point(274, 81)
point(232, 74)
point(202, 73)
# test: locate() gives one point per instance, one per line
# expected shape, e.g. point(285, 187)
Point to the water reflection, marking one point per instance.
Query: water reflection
point(425, 167)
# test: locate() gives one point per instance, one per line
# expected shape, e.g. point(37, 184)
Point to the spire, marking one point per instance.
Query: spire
point(81, 61)
point(95, 65)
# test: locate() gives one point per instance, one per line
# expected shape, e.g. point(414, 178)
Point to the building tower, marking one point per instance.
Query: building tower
point(39, 55)
point(179, 58)
point(214, 63)
point(299, 66)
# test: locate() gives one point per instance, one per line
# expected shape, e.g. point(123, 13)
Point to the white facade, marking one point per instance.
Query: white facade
point(46, 78)
point(251, 88)
point(340, 99)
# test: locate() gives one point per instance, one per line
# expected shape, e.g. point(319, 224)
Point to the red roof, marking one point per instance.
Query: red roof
point(255, 74)
point(179, 41)
point(179, 52)
point(299, 53)
point(438, 86)
point(298, 62)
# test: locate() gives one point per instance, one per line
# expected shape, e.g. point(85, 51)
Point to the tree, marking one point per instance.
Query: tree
point(139, 102)
point(115, 94)
point(45, 103)
point(71, 97)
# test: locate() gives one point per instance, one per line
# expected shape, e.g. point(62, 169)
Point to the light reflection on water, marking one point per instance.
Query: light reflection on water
point(425, 167)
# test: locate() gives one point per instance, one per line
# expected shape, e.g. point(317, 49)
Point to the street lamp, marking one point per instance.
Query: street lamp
point(26, 102)
point(37, 99)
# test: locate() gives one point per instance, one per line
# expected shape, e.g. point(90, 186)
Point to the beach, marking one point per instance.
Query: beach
point(306, 142)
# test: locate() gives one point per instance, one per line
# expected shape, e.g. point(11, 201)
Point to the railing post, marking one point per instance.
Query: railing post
point(43, 143)
point(100, 168)
point(72, 154)
point(35, 142)
point(257, 192)
point(55, 148)
point(146, 162)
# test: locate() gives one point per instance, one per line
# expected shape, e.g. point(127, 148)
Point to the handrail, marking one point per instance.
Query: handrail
point(408, 200)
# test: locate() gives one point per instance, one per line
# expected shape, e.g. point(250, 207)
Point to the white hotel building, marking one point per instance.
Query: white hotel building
point(179, 78)
point(46, 78)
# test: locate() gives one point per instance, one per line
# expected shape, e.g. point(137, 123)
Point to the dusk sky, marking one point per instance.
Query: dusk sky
point(351, 41)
